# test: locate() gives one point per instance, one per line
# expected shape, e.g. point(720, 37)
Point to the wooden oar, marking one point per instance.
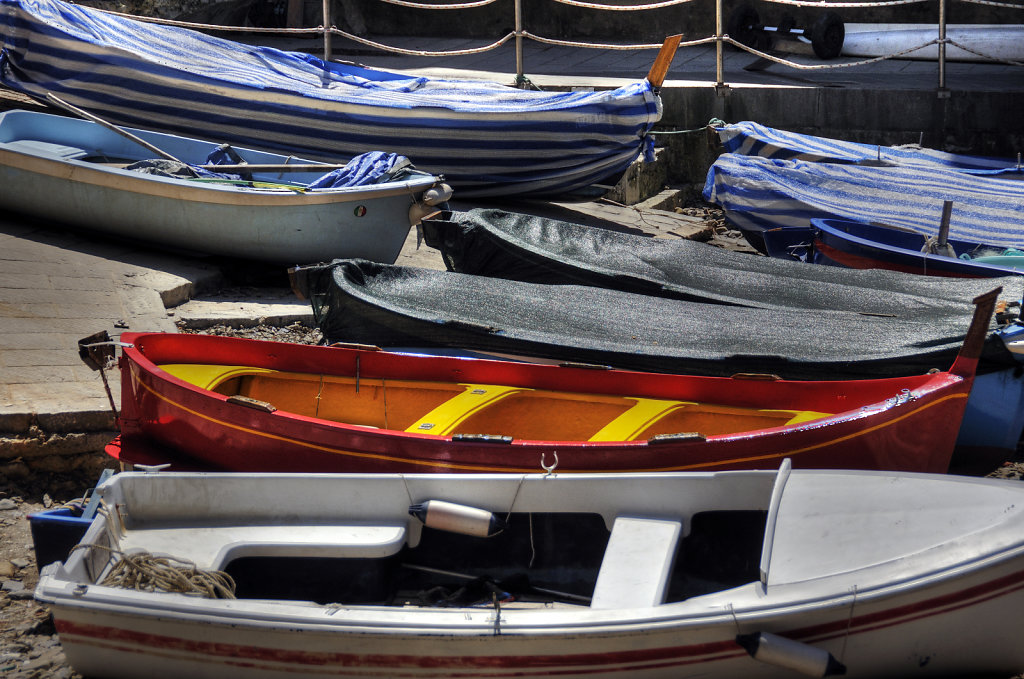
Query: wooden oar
point(244, 167)
point(283, 167)
point(659, 69)
point(110, 126)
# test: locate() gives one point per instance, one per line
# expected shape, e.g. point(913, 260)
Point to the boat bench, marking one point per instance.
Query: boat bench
point(36, 147)
point(215, 547)
point(637, 563)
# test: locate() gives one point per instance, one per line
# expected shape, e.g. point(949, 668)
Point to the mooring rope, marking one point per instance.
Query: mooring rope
point(145, 572)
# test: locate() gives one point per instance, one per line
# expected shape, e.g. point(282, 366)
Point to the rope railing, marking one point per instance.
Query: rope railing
point(622, 8)
point(421, 53)
point(606, 46)
point(463, 5)
point(719, 39)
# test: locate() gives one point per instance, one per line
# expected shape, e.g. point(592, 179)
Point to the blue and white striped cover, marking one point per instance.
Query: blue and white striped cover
point(486, 138)
point(752, 139)
point(763, 193)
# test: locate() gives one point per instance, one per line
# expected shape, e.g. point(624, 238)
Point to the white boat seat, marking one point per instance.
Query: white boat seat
point(637, 563)
point(36, 147)
point(215, 547)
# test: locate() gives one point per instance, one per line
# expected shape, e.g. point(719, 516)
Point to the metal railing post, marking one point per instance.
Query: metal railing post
point(327, 30)
point(720, 85)
point(943, 92)
point(520, 76)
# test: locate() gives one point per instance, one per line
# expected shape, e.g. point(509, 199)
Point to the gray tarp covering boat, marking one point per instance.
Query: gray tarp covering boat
point(516, 246)
point(363, 302)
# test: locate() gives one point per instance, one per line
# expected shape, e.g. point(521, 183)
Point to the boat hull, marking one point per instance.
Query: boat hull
point(761, 194)
point(957, 627)
point(856, 245)
point(164, 418)
point(890, 574)
point(269, 224)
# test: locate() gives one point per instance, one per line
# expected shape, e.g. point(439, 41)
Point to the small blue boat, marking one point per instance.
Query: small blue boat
point(84, 174)
point(753, 139)
point(775, 199)
point(856, 245)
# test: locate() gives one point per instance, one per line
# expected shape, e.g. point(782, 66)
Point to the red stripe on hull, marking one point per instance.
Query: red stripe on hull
point(132, 641)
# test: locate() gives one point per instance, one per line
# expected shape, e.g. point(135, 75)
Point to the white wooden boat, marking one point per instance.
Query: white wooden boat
point(730, 574)
point(74, 171)
point(984, 42)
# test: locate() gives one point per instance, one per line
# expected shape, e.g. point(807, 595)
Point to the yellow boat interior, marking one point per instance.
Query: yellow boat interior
point(450, 408)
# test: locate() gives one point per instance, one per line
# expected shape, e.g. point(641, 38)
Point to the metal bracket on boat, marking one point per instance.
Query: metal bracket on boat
point(759, 377)
point(482, 438)
point(253, 403)
point(905, 396)
point(549, 469)
point(353, 345)
point(98, 352)
point(585, 366)
point(150, 468)
point(681, 437)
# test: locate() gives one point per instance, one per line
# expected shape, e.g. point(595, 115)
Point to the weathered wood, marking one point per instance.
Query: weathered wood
point(659, 69)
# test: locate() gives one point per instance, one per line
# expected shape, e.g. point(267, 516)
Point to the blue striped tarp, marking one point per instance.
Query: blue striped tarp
point(486, 138)
point(764, 193)
point(752, 139)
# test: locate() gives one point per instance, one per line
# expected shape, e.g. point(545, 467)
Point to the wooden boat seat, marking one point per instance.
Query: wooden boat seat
point(444, 418)
point(637, 563)
point(35, 147)
point(632, 424)
point(209, 376)
point(216, 546)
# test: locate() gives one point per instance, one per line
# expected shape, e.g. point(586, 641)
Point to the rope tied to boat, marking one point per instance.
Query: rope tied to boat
point(145, 572)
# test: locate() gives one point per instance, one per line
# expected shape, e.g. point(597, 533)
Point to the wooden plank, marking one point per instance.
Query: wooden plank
point(656, 76)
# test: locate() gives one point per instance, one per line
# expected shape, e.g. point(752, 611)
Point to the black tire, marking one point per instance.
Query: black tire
point(827, 36)
point(744, 25)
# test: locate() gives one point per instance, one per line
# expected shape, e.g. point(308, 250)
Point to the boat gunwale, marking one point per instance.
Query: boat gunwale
point(906, 257)
point(931, 388)
point(128, 181)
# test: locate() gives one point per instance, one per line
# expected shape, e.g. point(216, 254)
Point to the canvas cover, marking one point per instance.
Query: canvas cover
point(391, 306)
point(486, 138)
point(764, 193)
point(496, 243)
point(753, 139)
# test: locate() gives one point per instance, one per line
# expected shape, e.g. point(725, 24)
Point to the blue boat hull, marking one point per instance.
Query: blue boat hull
point(854, 245)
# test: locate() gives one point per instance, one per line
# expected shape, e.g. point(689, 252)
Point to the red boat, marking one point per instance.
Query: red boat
point(207, 402)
